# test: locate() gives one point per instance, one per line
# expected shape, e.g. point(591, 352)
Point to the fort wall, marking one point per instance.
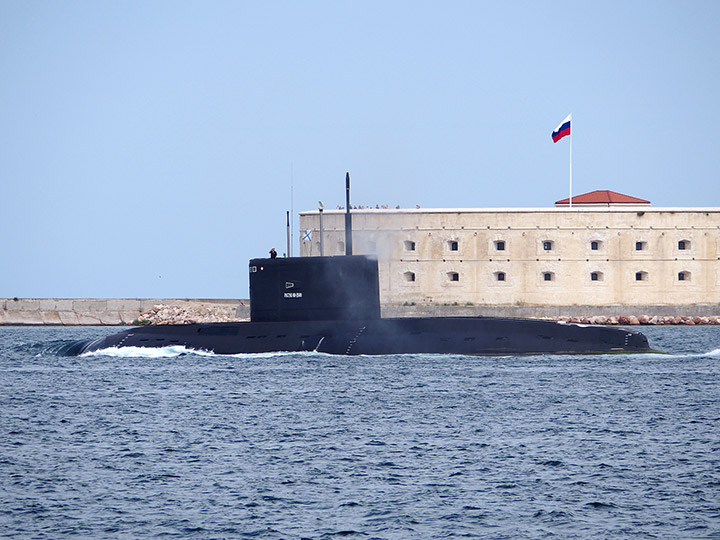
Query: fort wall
point(580, 256)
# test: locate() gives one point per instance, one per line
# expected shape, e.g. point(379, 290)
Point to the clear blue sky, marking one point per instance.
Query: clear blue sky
point(147, 148)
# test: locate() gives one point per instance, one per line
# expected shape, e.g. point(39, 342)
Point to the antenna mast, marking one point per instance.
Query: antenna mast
point(291, 236)
point(348, 218)
point(288, 234)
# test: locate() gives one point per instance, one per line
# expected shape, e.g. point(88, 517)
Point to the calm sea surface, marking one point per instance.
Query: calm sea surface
point(291, 446)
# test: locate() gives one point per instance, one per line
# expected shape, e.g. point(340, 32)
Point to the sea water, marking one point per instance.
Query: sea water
point(167, 443)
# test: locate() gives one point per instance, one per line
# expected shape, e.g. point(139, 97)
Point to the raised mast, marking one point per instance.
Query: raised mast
point(348, 217)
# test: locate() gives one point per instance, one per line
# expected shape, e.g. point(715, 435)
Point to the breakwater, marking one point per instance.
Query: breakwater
point(111, 312)
point(116, 311)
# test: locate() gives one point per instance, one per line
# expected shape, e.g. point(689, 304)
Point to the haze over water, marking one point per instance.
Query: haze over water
point(173, 444)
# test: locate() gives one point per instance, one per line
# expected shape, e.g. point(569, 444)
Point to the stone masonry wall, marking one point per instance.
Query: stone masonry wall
point(111, 312)
point(105, 312)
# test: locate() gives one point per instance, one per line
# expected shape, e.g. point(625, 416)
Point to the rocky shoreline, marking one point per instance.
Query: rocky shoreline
point(176, 314)
point(623, 320)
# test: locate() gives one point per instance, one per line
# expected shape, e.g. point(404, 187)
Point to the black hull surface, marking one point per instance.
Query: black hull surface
point(432, 335)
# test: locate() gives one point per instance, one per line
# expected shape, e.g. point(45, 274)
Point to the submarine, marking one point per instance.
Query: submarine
point(332, 305)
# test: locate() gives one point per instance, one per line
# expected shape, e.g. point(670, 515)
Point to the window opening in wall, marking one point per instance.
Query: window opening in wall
point(547, 276)
point(596, 276)
point(409, 276)
point(684, 276)
point(594, 245)
point(453, 245)
point(500, 245)
point(547, 245)
point(640, 246)
point(683, 245)
point(641, 276)
point(500, 276)
point(409, 245)
point(453, 276)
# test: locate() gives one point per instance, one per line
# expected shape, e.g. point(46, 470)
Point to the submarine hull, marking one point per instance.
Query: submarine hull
point(428, 335)
point(332, 305)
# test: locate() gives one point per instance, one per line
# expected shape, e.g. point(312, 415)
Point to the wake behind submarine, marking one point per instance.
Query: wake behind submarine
point(332, 305)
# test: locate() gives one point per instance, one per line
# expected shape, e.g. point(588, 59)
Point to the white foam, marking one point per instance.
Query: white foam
point(172, 351)
point(178, 350)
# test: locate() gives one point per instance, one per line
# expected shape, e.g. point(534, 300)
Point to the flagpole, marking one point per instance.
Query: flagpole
point(571, 138)
point(570, 169)
point(560, 132)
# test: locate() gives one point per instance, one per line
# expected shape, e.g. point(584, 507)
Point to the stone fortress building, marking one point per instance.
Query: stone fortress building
point(605, 249)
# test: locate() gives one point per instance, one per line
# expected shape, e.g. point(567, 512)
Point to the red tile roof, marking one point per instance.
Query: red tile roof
point(603, 196)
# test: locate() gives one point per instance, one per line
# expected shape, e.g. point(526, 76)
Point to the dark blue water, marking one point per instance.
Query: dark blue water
point(312, 446)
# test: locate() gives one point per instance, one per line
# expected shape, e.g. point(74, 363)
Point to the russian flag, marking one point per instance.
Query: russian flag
point(562, 130)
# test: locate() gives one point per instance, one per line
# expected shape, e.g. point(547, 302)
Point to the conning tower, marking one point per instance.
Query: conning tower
point(341, 288)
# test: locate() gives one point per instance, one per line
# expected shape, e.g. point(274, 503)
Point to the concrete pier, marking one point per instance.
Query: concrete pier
point(124, 311)
point(100, 311)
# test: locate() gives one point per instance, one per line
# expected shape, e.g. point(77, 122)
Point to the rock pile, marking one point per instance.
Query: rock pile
point(631, 320)
point(184, 314)
point(198, 313)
